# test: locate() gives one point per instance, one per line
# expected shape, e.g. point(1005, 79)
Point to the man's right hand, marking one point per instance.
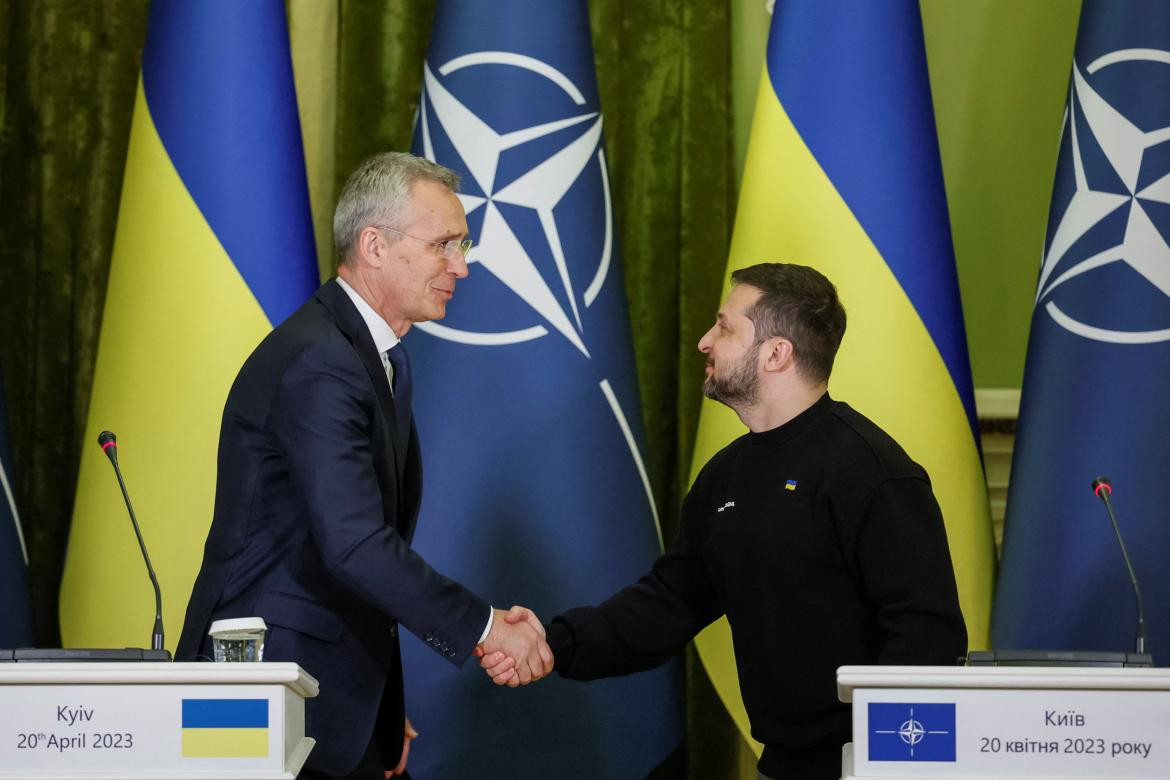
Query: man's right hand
point(516, 648)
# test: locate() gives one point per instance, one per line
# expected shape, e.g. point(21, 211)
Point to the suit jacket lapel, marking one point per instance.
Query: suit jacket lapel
point(350, 322)
point(411, 480)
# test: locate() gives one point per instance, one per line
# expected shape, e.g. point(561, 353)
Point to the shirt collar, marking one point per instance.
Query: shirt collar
point(382, 333)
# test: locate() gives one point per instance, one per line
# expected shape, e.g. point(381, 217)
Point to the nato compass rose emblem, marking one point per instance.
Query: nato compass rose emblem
point(911, 732)
point(527, 144)
point(516, 214)
point(897, 732)
point(1118, 216)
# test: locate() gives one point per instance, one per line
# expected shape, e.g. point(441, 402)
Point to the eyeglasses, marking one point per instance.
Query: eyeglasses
point(448, 248)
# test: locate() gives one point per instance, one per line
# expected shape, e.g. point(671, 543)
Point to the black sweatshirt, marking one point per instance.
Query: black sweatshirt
point(823, 544)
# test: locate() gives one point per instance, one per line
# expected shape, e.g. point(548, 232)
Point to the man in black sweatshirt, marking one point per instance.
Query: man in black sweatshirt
point(815, 533)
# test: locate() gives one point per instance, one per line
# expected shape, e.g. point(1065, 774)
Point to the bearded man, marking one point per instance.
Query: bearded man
point(814, 533)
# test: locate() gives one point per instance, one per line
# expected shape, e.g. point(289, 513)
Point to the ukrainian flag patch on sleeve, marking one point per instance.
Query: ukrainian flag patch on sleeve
point(225, 728)
point(790, 484)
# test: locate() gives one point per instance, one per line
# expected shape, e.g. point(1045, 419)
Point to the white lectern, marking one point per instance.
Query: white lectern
point(1006, 723)
point(70, 721)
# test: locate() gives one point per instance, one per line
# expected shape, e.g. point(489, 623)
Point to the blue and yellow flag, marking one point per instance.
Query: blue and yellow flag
point(536, 490)
point(214, 246)
point(15, 608)
point(1094, 399)
point(843, 174)
point(225, 728)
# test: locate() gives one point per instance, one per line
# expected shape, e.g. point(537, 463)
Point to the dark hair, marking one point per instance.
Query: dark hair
point(799, 304)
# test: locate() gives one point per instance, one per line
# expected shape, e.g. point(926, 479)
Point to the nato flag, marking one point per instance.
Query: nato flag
point(911, 732)
point(15, 609)
point(1095, 387)
point(527, 402)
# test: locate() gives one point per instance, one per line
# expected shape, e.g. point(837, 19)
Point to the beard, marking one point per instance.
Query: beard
point(740, 389)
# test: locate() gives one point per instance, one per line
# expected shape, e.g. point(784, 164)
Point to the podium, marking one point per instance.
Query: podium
point(70, 721)
point(1007, 723)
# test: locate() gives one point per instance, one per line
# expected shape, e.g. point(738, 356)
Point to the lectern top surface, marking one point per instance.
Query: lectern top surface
point(1035, 677)
point(51, 673)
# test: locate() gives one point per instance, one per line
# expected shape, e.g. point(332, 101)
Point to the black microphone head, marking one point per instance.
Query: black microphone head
point(1100, 484)
point(109, 444)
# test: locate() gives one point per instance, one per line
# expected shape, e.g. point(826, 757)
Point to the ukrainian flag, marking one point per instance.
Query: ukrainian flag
point(214, 246)
point(843, 174)
point(225, 728)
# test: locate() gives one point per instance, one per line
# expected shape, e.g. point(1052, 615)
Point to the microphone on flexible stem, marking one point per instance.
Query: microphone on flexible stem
point(1104, 488)
point(109, 445)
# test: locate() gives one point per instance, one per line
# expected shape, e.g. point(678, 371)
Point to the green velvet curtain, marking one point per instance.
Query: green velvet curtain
point(68, 73)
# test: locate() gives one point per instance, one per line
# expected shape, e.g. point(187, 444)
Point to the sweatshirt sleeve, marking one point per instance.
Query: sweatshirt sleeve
point(643, 625)
point(903, 560)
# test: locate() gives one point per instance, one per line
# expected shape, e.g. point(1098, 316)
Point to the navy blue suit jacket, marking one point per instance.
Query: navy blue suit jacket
point(316, 500)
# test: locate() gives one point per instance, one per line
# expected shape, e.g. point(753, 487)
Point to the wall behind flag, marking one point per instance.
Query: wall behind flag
point(998, 73)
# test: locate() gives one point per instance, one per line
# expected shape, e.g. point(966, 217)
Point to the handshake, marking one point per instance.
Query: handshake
point(515, 652)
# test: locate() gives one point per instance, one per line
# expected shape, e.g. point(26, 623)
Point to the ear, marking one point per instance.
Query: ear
point(778, 355)
point(370, 248)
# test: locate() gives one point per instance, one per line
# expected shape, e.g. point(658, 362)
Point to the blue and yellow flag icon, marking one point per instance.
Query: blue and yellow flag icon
point(843, 174)
point(225, 728)
point(214, 246)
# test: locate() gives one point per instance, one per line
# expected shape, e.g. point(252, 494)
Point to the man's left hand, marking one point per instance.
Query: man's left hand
point(407, 735)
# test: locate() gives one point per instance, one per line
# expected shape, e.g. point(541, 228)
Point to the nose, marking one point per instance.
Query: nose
point(705, 342)
point(457, 265)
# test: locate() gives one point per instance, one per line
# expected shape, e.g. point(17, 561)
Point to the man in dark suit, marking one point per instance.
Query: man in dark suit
point(319, 481)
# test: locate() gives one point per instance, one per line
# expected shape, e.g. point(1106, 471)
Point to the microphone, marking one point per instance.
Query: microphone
point(1104, 489)
point(109, 444)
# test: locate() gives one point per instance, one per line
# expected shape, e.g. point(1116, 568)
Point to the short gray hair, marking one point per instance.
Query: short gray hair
point(377, 193)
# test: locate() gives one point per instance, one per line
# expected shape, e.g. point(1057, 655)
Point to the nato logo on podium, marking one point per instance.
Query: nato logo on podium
point(911, 732)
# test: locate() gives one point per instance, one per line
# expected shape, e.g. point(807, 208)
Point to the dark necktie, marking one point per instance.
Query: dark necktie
point(403, 387)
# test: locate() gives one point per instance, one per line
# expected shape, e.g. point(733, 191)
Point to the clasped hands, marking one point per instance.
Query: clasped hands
point(515, 652)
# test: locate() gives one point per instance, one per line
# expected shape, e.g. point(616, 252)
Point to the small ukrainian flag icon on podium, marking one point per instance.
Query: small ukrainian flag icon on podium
point(225, 728)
